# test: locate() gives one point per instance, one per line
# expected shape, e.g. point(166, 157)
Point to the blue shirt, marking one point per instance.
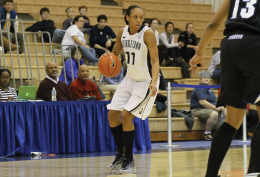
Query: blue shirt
point(75, 67)
point(202, 94)
point(114, 80)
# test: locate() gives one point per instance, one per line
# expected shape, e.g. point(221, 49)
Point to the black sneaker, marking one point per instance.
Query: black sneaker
point(128, 166)
point(117, 163)
point(208, 137)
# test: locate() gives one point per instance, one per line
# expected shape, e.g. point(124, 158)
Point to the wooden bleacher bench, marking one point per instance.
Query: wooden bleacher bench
point(177, 96)
point(27, 7)
point(33, 59)
point(86, 3)
point(171, 72)
point(162, 13)
point(181, 22)
point(122, 1)
point(158, 129)
point(180, 5)
point(194, 82)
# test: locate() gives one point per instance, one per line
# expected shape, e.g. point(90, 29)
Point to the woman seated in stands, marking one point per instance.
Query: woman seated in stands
point(203, 105)
point(74, 36)
point(75, 67)
point(111, 83)
point(167, 38)
point(162, 49)
point(6, 93)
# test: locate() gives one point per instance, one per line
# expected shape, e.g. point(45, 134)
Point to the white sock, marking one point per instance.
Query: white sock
point(207, 132)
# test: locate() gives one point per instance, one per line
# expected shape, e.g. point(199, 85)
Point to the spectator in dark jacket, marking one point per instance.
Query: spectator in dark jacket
point(102, 37)
point(190, 42)
point(45, 25)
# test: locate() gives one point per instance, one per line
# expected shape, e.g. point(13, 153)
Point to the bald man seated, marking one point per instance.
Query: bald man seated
point(52, 80)
point(82, 86)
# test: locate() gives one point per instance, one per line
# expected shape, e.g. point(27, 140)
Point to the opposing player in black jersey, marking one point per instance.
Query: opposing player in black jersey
point(240, 75)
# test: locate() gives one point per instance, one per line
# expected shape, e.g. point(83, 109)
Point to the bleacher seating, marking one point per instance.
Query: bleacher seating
point(179, 12)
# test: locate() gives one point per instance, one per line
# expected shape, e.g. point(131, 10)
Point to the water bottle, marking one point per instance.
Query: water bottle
point(53, 94)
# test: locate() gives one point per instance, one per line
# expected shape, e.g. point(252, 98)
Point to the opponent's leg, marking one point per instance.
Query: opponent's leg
point(222, 139)
point(254, 164)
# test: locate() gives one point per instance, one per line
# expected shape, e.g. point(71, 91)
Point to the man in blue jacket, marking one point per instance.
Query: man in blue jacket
point(102, 37)
point(7, 13)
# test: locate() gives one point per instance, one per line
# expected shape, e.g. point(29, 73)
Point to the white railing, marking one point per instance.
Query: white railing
point(215, 3)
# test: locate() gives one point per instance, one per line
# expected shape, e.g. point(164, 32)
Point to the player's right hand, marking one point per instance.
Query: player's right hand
point(153, 89)
point(196, 59)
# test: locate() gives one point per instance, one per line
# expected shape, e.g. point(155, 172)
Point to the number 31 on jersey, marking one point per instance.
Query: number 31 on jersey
point(246, 12)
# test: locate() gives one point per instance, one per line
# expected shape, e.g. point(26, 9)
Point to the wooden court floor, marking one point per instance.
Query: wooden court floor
point(158, 163)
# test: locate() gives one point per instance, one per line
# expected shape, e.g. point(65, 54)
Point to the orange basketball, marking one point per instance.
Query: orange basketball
point(109, 65)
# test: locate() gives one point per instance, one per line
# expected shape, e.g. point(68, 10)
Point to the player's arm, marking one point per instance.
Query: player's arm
point(118, 45)
point(210, 31)
point(150, 40)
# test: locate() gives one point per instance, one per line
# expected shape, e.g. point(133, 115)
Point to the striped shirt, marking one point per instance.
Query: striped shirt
point(5, 94)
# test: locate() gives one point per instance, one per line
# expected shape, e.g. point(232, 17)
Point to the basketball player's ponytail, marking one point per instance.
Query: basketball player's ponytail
point(128, 11)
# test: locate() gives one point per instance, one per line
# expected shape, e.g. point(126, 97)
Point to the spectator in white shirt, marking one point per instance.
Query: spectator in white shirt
point(7, 13)
point(74, 36)
point(214, 67)
point(167, 38)
point(162, 49)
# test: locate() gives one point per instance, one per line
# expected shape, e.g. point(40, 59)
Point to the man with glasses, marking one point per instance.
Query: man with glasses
point(7, 13)
point(203, 105)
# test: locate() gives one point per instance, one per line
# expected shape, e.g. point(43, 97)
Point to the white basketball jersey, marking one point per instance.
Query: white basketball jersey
point(136, 52)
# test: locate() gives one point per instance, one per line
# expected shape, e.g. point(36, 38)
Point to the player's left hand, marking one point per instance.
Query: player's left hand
point(153, 89)
point(196, 59)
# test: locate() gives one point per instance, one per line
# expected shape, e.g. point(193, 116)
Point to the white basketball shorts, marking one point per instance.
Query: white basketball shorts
point(133, 96)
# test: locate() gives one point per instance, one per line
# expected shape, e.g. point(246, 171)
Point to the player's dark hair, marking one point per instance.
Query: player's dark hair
point(10, 1)
point(5, 70)
point(128, 11)
point(74, 51)
point(101, 17)
point(153, 20)
point(44, 9)
point(76, 19)
point(168, 23)
point(189, 24)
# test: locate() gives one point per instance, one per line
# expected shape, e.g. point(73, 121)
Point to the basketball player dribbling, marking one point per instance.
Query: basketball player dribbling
point(240, 76)
point(136, 94)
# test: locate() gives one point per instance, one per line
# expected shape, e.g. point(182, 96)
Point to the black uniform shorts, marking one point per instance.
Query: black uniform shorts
point(240, 69)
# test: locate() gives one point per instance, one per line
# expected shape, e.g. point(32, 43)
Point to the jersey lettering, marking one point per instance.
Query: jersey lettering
point(131, 44)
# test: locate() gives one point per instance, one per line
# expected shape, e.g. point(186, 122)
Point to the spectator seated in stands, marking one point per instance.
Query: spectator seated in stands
point(6, 93)
point(7, 12)
point(70, 17)
point(146, 23)
point(203, 105)
point(214, 66)
point(74, 36)
point(111, 83)
point(102, 37)
point(82, 86)
point(190, 42)
point(52, 80)
point(167, 38)
point(75, 66)
point(87, 27)
point(6, 44)
point(46, 25)
point(162, 49)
